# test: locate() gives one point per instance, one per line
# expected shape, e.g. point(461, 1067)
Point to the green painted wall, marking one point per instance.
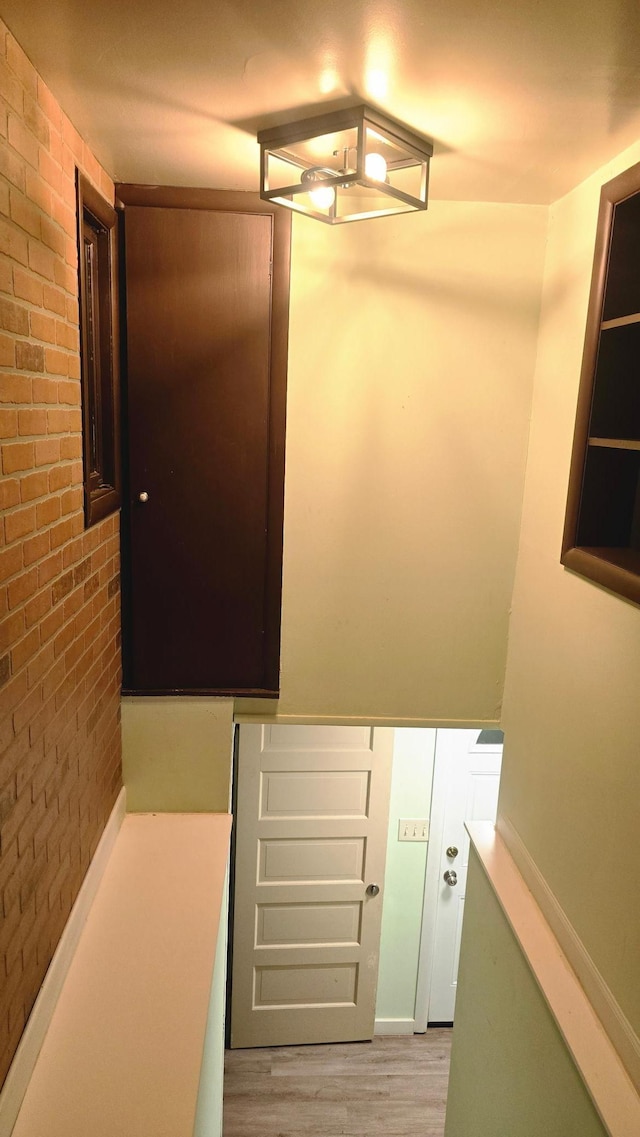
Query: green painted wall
point(511, 1074)
point(404, 877)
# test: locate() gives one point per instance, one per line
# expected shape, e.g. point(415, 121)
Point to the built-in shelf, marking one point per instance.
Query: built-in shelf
point(602, 527)
point(616, 443)
point(621, 321)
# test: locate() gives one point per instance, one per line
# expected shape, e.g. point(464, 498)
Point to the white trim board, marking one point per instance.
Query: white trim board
point(607, 1008)
point(603, 1073)
point(21, 1069)
point(394, 1026)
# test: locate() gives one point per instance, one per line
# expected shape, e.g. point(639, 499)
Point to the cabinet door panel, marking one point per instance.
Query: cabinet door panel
point(204, 547)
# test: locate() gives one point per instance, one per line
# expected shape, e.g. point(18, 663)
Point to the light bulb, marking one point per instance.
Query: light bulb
point(323, 197)
point(375, 167)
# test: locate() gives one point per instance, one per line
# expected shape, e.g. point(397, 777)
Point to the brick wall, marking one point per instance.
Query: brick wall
point(59, 584)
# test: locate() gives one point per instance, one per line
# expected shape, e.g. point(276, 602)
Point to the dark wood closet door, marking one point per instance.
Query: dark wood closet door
point(205, 413)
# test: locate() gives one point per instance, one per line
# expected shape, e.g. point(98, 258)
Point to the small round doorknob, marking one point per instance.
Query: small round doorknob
point(451, 877)
point(452, 851)
point(373, 889)
point(143, 497)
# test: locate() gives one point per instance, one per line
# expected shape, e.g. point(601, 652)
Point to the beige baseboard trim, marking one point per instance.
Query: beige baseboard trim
point(394, 1026)
point(23, 1064)
point(599, 1063)
point(608, 1010)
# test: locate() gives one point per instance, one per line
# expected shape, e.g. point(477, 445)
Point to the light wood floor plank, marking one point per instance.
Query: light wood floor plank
point(390, 1087)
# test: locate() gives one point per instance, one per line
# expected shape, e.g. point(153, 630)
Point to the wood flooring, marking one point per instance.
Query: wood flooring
point(391, 1087)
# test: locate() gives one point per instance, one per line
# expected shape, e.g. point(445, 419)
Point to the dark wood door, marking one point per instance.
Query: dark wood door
point(206, 309)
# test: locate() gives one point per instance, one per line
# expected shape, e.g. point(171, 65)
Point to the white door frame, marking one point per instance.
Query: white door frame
point(432, 883)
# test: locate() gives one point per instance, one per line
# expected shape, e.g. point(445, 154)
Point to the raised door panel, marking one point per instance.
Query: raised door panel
point(311, 831)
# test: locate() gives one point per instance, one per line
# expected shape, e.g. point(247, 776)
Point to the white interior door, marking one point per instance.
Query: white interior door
point(311, 833)
point(465, 788)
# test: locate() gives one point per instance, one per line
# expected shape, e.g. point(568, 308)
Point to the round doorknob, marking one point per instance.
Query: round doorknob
point(452, 851)
point(451, 877)
point(373, 889)
point(143, 497)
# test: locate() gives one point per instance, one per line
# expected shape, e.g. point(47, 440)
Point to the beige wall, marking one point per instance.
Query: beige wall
point(511, 1074)
point(177, 753)
point(571, 771)
point(412, 348)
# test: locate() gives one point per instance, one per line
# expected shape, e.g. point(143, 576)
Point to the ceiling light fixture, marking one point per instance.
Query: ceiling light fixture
point(345, 166)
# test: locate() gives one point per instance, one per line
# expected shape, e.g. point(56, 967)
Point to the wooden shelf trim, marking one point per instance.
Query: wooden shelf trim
point(620, 321)
point(615, 443)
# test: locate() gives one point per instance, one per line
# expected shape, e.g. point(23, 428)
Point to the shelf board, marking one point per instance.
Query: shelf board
point(615, 443)
point(620, 321)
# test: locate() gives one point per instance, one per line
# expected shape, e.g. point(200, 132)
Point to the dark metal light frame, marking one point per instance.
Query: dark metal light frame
point(279, 142)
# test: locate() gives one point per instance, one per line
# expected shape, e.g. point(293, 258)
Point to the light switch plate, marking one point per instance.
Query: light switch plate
point(413, 829)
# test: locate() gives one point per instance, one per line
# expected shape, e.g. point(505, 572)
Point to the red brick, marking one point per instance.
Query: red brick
point(41, 260)
point(34, 485)
point(18, 523)
point(10, 87)
point(62, 532)
point(38, 191)
point(37, 608)
point(23, 651)
point(11, 629)
point(7, 353)
point(48, 511)
point(36, 120)
point(52, 624)
point(25, 214)
point(67, 336)
point(13, 243)
point(10, 562)
point(42, 327)
point(49, 104)
point(47, 451)
point(6, 278)
point(59, 478)
point(12, 166)
point(35, 548)
point(27, 287)
point(45, 390)
point(20, 63)
point(28, 707)
point(23, 587)
point(53, 237)
point(71, 447)
point(57, 362)
point(74, 366)
point(66, 277)
point(9, 493)
point(9, 424)
point(17, 456)
point(15, 389)
point(23, 140)
point(13, 317)
point(73, 314)
point(32, 422)
point(55, 299)
point(29, 356)
point(65, 217)
point(72, 500)
point(69, 392)
point(50, 170)
point(49, 568)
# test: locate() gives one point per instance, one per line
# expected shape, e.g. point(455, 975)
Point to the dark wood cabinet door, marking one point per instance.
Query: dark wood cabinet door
point(206, 319)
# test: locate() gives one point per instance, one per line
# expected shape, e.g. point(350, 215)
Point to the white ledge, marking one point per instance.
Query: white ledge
point(124, 1049)
point(605, 1077)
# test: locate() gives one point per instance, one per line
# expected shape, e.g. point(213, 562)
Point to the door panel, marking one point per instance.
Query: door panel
point(311, 832)
point(467, 780)
point(202, 420)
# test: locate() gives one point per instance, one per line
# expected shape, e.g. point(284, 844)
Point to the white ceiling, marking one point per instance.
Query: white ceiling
point(522, 98)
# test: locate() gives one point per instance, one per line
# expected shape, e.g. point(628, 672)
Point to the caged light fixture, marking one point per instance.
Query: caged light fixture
point(345, 165)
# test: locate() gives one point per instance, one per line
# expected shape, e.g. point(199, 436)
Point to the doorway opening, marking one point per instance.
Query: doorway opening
point(350, 860)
